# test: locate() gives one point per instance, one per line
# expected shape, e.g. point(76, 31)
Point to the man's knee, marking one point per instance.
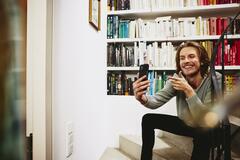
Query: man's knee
point(146, 119)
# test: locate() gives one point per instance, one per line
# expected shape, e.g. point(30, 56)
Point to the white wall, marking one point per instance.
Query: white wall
point(79, 86)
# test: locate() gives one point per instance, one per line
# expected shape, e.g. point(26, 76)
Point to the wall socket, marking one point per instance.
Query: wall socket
point(69, 139)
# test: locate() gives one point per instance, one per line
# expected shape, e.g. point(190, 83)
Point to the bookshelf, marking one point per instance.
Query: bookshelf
point(215, 10)
point(150, 14)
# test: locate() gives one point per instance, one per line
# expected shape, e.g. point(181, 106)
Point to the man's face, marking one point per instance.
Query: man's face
point(189, 61)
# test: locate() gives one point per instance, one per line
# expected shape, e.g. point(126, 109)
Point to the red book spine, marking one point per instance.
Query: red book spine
point(221, 1)
point(219, 25)
point(231, 57)
point(234, 47)
point(226, 55)
point(201, 2)
point(212, 25)
point(219, 55)
point(233, 60)
point(226, 1)
point(237, 51)
point(224, 24)
point(234, 54)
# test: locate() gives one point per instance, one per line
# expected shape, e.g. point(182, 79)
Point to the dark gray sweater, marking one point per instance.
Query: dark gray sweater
point(190, 110)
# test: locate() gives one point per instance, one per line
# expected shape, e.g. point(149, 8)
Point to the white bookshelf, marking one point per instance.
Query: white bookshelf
point(219, 9)
point(228, 67)
point(137, 68)
point(222, 10)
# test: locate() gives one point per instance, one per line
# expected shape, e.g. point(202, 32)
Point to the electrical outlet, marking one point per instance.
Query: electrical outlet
point(69, 139)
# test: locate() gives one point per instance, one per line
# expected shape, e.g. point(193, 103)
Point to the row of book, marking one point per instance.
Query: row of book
point(162, 54)
point(231, 53)
point(121, 83)
point(121, 55)
point(155, 54)
point(114, 5)
point(160, 4)
point(231, 81)
point(208, 45)
point(157, 82)
point(163, 27)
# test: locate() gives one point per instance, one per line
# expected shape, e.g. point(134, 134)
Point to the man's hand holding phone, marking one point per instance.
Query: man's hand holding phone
point(141, 84)
point(143, 70)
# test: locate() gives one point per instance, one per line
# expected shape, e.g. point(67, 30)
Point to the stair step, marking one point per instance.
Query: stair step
point(162, 150)
point(176, 140)
point(113, 154)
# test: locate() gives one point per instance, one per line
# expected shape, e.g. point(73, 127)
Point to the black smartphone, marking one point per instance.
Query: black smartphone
point(143, 70)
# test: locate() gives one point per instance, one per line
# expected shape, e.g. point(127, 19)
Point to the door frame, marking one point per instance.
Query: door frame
point(39, 77)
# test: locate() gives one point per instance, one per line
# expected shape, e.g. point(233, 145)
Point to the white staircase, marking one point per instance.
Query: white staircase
point(166, 147)
point(113, 154)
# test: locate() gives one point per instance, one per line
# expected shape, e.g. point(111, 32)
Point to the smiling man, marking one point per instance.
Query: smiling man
point(192, 87)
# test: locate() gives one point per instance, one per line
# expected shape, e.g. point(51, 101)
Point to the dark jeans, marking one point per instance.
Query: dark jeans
point(201, 138)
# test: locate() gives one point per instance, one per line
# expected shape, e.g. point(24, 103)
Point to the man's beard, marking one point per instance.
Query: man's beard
point(193, 74)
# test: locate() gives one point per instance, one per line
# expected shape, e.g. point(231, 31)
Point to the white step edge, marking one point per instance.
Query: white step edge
point(113, 154)
point(131, 145)
point(234, 120)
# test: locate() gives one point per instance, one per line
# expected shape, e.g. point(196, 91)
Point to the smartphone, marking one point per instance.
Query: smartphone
point(143, 70)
